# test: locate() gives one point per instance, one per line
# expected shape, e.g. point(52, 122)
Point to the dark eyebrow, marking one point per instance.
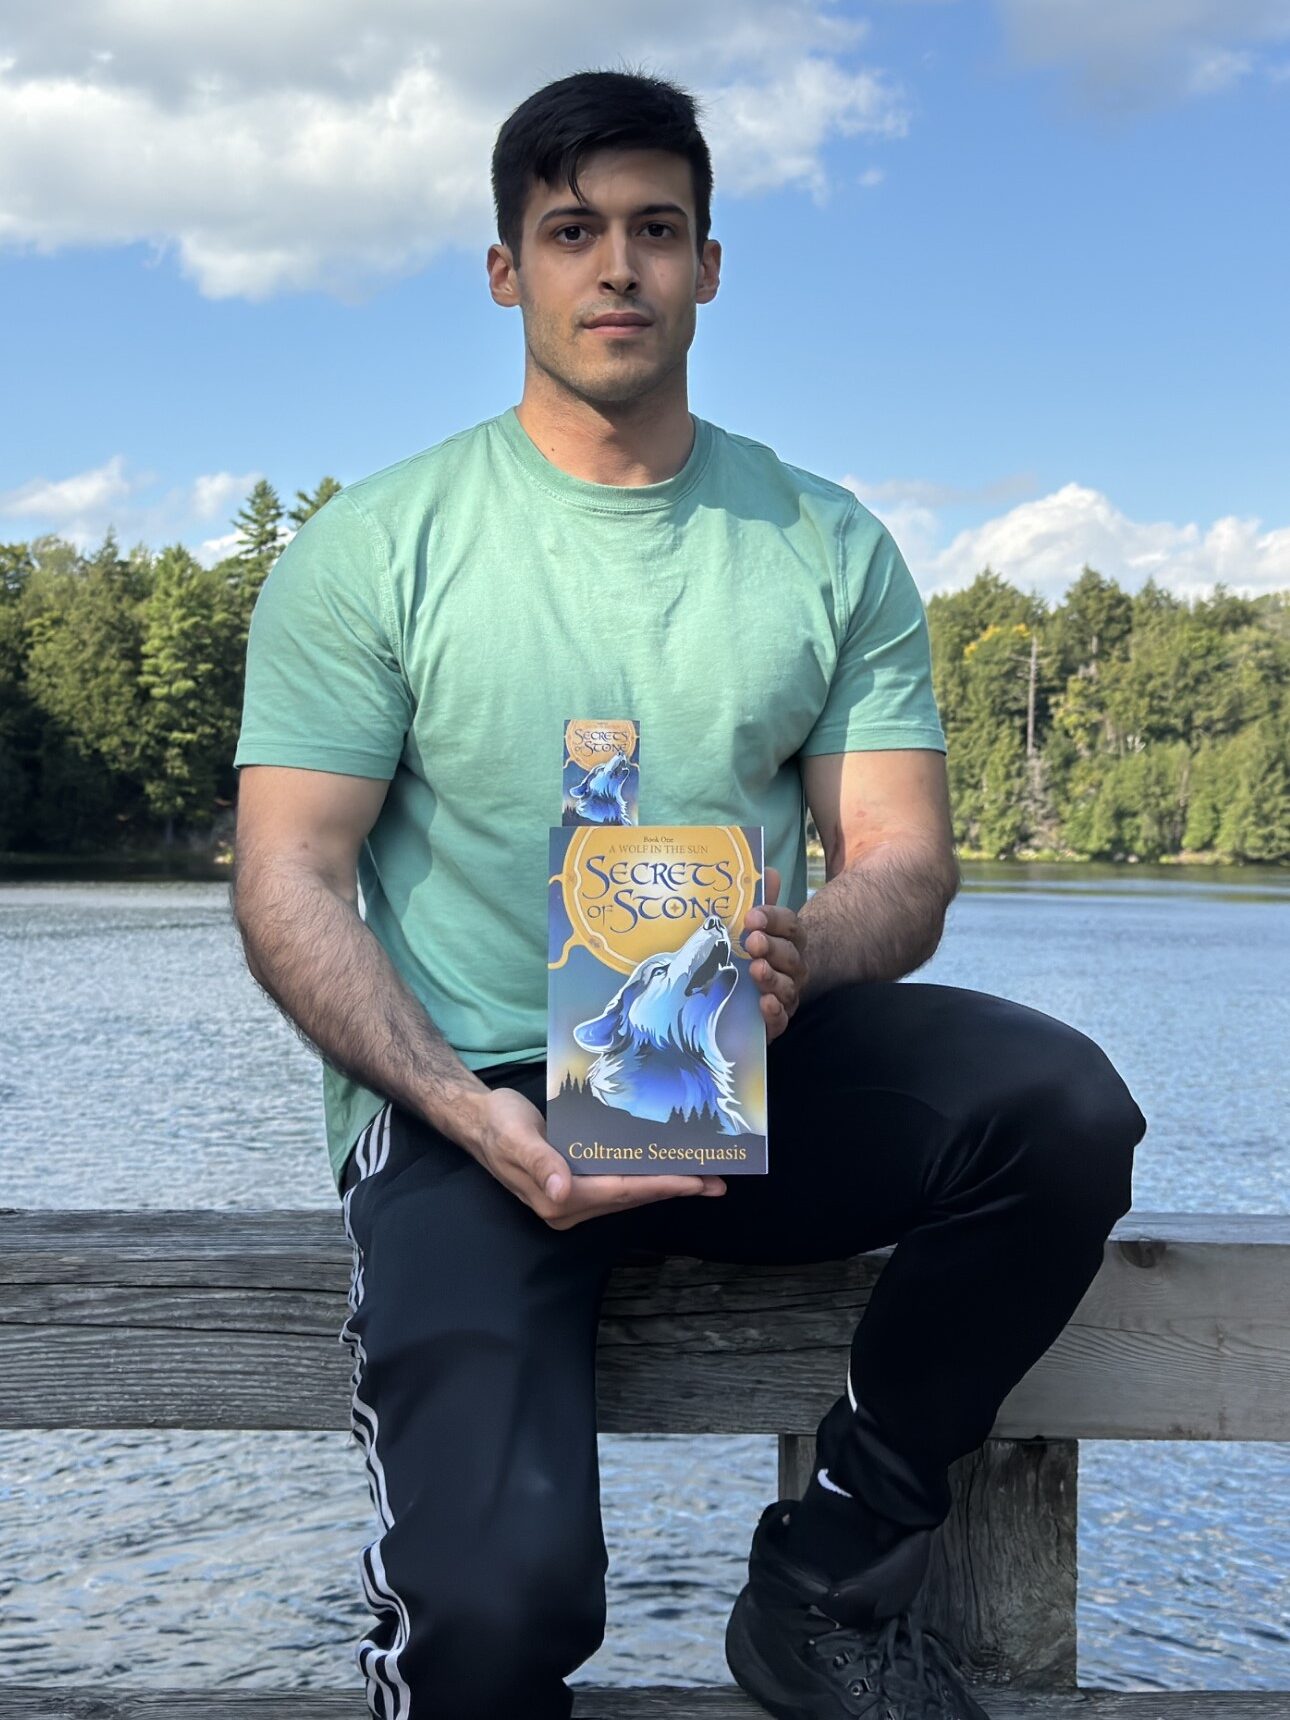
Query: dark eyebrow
point(581, 209)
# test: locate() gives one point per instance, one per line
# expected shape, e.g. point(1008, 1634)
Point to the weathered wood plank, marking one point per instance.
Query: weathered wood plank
point(31, 1702)
point(231, 1320)
point(1002, 1581)
point(314, 1236)
point(306, 1247)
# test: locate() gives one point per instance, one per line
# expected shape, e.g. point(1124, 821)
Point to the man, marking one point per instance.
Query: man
point(413, 656)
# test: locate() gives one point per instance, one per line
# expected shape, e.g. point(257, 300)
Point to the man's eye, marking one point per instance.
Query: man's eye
point(574, 228)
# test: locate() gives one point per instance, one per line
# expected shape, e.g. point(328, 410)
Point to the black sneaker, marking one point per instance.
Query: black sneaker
point(808, 1649)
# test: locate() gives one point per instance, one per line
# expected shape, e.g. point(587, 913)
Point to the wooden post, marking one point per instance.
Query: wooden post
point(796, 1463)
point(1002, 1580)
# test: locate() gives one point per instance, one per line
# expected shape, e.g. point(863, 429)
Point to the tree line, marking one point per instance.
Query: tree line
point(121, 682)
point(1106, 725)
point(1115, 726)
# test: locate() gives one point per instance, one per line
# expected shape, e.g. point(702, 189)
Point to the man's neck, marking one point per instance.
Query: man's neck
point(643, 442)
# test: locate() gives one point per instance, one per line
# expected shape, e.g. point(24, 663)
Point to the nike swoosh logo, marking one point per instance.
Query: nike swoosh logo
point(825, 1480)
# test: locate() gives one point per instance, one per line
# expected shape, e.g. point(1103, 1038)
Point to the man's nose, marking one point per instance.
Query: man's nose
point(617, 271)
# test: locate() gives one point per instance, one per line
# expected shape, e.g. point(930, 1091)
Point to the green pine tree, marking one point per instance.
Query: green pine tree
point(17, 718)
point(189, 672)
point(259, 525)
point(1092, 623)
point(1002, 816)
point(261, 536)
point(1255, 823)
point(17, 564)
point(308, 505)
point(1206, 791)
point(84, 631)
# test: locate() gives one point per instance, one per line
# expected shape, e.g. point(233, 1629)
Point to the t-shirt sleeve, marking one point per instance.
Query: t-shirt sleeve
point(325, 689)
point(881, 692)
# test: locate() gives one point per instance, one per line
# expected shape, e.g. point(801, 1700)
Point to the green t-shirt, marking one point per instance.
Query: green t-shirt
point(435, 625)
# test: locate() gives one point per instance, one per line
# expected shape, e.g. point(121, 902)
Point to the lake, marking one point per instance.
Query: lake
point(142, 1067)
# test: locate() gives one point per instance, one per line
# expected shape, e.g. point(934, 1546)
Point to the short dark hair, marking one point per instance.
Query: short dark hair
point(550, 133)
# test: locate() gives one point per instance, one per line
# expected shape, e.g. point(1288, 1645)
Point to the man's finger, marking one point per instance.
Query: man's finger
point(770, 923)
point(780, 922)
point(589, 1201)
point(631, 1192)
point(782, 953)
point(774, 982)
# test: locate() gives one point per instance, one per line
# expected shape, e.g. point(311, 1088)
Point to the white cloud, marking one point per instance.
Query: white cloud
point(1216, 69)
point(769, 134)
point(908, 507)
point(211, 550)
point(215, 492)
point(1130, 52)
point(1042, 544)
point(83, 507)
point(341, 142)
point(67, 500)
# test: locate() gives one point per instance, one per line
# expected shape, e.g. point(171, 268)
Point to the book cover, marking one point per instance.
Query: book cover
point(601, 771)
point(656, 1045)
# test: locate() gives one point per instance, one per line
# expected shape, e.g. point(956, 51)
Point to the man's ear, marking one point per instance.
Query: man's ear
point(709, 277)
point(502, 271)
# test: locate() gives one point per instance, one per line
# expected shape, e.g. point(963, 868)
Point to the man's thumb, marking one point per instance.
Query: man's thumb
point(549, 1172)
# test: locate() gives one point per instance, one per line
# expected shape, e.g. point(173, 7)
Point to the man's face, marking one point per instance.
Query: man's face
point(625, 251)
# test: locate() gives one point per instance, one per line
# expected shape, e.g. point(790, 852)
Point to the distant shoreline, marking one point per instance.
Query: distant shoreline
point(198, 864)
point(214, 863)
point(1063, 857)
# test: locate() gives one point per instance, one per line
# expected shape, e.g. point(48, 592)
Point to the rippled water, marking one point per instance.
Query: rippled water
point(141, 1066)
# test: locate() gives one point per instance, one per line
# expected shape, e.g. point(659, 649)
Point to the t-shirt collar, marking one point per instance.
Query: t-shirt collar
point(604, 498)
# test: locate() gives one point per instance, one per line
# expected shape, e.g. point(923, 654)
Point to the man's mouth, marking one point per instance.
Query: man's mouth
point(613, 322)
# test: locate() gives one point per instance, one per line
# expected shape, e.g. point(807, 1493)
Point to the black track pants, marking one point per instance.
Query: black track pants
point(991, 1143)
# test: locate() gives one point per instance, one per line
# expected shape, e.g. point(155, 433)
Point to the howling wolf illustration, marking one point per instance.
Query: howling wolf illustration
point(657, 1035)
point(598, 798)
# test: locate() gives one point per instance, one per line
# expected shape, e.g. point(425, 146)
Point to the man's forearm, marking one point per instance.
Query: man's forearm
point(311, 951)
point(880, 918)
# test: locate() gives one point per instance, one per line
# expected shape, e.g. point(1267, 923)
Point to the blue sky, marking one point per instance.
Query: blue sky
point(1016, 270)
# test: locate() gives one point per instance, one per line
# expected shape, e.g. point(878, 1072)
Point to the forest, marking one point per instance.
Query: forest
point(1108, 725)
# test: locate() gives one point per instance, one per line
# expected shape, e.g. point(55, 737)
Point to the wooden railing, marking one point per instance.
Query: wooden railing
point(230, 1320)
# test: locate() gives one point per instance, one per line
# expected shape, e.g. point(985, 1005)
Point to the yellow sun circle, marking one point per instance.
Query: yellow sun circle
point(632, 891)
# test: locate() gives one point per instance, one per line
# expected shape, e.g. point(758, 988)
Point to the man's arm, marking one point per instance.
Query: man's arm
point(295, 901)
point(891, 872)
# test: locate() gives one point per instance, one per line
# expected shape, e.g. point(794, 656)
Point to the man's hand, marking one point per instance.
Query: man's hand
point(776, 939)
point(511, 1144)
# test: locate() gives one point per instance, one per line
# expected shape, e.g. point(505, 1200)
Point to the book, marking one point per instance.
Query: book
point(656, 1044)
point(601, 771)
